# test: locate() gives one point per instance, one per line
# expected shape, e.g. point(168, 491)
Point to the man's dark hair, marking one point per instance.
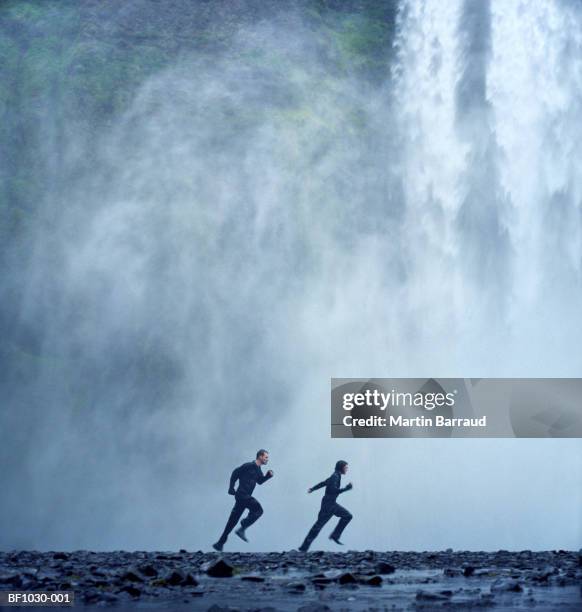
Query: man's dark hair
point(339, 466)
point(261, 451)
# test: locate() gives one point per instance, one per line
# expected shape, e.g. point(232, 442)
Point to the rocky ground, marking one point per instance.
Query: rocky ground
point(310, 582)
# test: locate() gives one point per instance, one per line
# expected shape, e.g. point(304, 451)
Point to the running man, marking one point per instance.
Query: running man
point(248, 475)
point(329, 507)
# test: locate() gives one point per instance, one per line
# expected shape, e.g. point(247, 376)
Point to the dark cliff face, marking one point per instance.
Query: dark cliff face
point(74, 65)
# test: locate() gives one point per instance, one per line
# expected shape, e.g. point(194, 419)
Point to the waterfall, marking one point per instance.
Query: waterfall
point(487, 97)
point(251, 227)
point(535, 87)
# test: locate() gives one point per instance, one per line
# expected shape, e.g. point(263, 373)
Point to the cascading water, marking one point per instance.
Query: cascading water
point(535, 87)
point(247, 232)
point(487, 96)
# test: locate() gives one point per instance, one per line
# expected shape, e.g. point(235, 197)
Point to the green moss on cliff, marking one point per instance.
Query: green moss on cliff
point(76, 64)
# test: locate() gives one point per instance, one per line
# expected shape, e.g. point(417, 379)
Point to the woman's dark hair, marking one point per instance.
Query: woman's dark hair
point(339, 466)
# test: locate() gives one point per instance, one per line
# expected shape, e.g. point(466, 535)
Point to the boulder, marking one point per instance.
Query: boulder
point(385, 568)
point(347, 578)
point(218, 569)
point(174, 577)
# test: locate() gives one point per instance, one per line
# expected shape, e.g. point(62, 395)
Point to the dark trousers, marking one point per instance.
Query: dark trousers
point(325, 513)
point(240, 505)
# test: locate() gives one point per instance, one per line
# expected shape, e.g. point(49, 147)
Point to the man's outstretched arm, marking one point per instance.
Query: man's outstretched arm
point(233, 478)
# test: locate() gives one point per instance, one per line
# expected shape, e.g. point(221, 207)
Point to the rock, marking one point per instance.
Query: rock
point(218, 569)
point(189, 580)
point(108, 597)
point(385, 568)
point(371, 580)
point(430, 596)
point(147, 569)
point(90, 597)
point(132, 590)
point(334, 574)
point(489, 572)
point(321, 582)
point(175, 577)
point(452, 572)
point(252, 578)
point(347, 578)
point(543, 575)
point(12, 578)
point(27, 583)
point(47, 576)
point(31, 572)
point(61, 555)
point(468, 570)
point(296, 587)
point(562, 581)
point(502, 584)
point(314, 607)
point(132, 575)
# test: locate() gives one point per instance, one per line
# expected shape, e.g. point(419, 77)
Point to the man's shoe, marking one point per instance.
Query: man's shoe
point(217, 546)
point(241, 534)
point(336, 540)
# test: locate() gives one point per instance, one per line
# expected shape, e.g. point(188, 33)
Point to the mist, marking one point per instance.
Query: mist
point(257, 221)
